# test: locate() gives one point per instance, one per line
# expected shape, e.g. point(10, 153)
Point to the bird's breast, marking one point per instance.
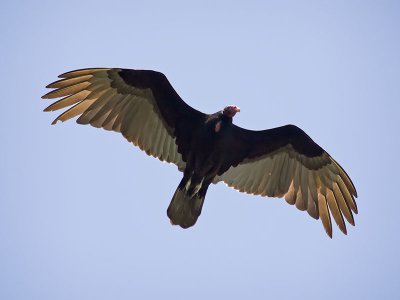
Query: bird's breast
point(209, 148)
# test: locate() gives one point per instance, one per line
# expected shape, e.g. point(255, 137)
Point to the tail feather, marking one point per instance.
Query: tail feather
point(184, 209)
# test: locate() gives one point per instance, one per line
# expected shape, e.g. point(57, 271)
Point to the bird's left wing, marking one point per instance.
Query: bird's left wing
point(141, 104)
point(286, 162)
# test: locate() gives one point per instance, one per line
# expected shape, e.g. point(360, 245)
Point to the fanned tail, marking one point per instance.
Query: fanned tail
point(184, 208)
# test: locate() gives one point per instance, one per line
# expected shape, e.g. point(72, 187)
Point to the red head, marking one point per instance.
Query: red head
point(231, 110)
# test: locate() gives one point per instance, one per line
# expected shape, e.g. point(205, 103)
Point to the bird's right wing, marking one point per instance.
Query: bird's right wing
point(141, 104)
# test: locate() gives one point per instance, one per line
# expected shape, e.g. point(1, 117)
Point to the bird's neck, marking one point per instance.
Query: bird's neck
point(226, 119)
point(221, 121)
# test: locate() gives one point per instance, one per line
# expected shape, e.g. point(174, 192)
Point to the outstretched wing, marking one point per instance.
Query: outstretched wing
point(141, 104)
point(286, 162)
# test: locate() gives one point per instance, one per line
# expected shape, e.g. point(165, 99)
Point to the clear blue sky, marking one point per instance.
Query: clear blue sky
point(83, 213)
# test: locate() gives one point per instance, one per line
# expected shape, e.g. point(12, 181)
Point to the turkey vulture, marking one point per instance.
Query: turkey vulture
point(207, 148)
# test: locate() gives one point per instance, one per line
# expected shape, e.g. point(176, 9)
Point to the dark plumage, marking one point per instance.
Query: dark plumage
point(144, 107)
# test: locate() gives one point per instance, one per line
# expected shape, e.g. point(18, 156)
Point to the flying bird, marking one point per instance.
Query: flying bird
point(208, 148)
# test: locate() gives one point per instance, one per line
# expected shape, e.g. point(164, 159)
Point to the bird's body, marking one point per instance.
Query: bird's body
point(207, 148)
point(203, 164)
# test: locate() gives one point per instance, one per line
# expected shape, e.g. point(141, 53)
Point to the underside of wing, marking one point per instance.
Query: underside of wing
point(141, 105)
point(313, 182)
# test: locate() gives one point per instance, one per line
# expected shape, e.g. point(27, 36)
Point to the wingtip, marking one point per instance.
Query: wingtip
point(354, 191)
point(355, 208)
point(344, 230)
point(65, 74)
point(328, 231)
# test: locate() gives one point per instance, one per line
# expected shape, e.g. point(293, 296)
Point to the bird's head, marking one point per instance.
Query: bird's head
point(231, 110)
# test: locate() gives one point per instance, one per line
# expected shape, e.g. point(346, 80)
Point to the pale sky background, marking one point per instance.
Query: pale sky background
point(83, 212)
